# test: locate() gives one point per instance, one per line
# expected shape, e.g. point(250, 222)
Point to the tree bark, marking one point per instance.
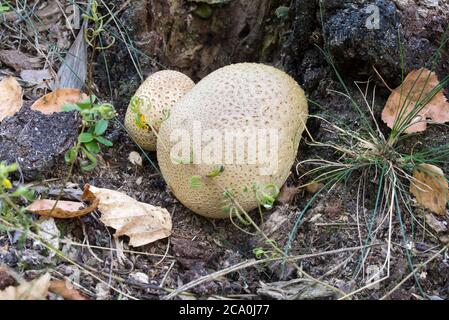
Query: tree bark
point(196, 38)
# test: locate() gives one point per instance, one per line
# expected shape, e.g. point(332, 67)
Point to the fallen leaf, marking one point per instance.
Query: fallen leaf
point(437, 225)
point(64, 289)
point(19, 60)
point(287, 194)
point(33, 290)
point(297, 289)
point(415, 89)
point(430, 188)
point(373, 274)
point(139, 277)
point(6, 279)
point(54, 101)
point(50, 14)
point(64, 209)
point(10, 97)
point(102, 291)
point(314, 187)
point(135, 158)
point(35, 77)
point(141, 222)
point(49, 232)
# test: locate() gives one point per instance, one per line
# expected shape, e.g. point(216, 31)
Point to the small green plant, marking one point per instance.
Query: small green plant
point(196, 183)
point(91, 34)
point(263, 253)
point(10, 196)
point(136, 104)
point(95, 122)
point(6, 187)
point(4, 7)
point(5, 170)
point(218, 170)
point(266, 195)
point(231, 206)
point(139, 119)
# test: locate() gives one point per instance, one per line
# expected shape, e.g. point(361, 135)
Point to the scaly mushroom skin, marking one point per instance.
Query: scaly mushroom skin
point(231, 98)
point(160, 92)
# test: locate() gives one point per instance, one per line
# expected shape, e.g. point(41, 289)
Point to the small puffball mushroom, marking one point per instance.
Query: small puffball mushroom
point(152, 103)
point(254, 105)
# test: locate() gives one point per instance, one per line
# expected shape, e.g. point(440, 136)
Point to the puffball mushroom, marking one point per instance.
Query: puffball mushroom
point(200, 150)
point(152, 103)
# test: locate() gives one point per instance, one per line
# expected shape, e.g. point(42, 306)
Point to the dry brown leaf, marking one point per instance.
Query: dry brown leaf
point(19, 60)
point(54, 101)
point(64, 209)
point(287, 194)
point(430, 188)
point(10, 97)
point(6, 279)
point(36, 77)
point(64, 289)
point(141, 222)
point(437, 225)
point(33, 290)
point(414, 89)
point(314, 187)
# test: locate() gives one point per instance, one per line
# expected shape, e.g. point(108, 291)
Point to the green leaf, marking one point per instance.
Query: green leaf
point(216, 172)
point(195, 182)
point(101, 127)
point(85, 137)
point(107, 111)
point(70, 107)
point(91, 163)
point(282, 12)
point(4, 8)
point(23, 192)
point(70, 156)
point(104, 141)
point(88, 166)
point(93, 147)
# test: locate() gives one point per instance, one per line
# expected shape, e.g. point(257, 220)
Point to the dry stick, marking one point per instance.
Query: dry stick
point(114, 249)
point(166, 274)
point(86, 237)
point(411, 274)
point(165, 255)
point(382, 79)
point(253, 262)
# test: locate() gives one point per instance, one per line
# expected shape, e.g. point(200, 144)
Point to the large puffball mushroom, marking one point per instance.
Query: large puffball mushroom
point(152, 103)
point(200, 151)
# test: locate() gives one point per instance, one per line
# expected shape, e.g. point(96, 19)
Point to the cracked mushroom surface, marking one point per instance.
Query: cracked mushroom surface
point(157, 95)
point(231, 107)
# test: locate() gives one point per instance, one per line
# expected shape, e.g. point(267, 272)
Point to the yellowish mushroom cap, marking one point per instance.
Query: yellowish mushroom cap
point(152, 103)
point(240, 96)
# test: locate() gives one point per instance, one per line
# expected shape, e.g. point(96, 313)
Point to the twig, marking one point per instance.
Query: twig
point(251, 263)
point(166, 274)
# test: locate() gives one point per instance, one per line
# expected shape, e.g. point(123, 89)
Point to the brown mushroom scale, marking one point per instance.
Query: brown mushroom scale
point(239, 97)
